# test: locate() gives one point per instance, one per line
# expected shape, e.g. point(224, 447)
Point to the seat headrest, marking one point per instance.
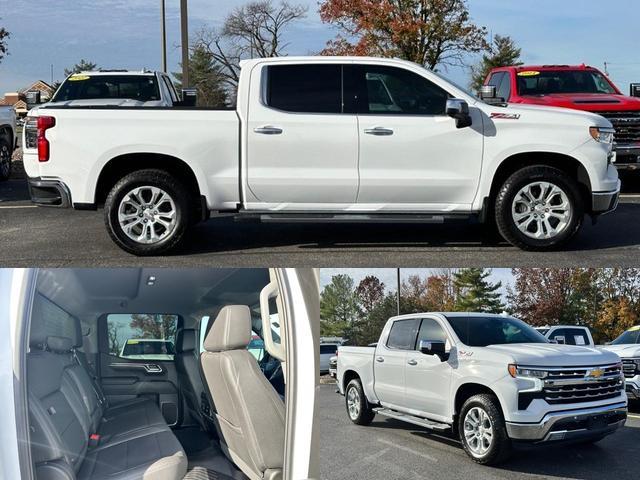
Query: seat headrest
point(59, 344)
point(231, 330)
point(186, 340)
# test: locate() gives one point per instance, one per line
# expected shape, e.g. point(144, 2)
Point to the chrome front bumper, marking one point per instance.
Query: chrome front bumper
point(571, 424)
point(605, 202)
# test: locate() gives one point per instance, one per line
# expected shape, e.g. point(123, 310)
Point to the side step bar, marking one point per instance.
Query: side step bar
point(405, 417)
point(353, 217)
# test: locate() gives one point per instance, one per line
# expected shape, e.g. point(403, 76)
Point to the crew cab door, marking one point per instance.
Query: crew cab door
point(412, 155)
point(390, 360)
point(301, 150)
point(428, 377)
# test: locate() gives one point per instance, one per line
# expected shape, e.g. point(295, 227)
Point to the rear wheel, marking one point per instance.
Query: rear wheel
point(5, 159)
point(147, 212)
point(482, 430)
point(539, 208)
point(358, 407)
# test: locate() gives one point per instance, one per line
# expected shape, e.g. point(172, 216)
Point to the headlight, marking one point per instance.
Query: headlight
point(516, 371)
point(602, 135)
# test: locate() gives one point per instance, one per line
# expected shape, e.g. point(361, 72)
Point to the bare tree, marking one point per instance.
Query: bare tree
point(255, 30)
point(4, 35)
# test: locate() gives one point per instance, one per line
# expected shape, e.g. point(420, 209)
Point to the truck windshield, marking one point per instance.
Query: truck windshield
point(143, 88)
point(478, 331)
point(629, 337)
point(547, 82)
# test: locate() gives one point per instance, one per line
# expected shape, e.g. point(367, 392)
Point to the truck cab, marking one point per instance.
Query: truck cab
point(568, 334)
point(579, 87)
point(627, 346)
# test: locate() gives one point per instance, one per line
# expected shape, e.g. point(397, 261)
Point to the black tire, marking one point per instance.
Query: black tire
point(520, 179)
point(5, 158)
point(365, 413)
point(501, 446)
point(153, 178)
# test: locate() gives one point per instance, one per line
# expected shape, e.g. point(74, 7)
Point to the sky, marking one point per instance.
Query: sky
point(126, 34)
point(389, 276)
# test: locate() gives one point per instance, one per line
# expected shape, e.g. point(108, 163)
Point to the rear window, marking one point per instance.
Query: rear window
point(479, 331)
point(142, 336)
point(570, 336)
point(328, 349)
point(143, 88)
point(305, 88)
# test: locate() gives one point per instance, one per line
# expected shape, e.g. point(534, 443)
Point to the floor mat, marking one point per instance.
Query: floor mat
point(201, 473)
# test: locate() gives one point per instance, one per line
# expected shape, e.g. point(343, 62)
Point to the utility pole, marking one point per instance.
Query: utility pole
point(163, 35)
point(185, 43)
point(398, 281)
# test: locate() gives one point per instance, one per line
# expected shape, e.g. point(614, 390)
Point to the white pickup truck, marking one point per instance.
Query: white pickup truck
point(8, 140)
point(627, 347)
point(319, 139)
point(491, 378)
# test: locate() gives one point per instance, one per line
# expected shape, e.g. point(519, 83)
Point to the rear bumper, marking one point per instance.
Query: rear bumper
point(605, 202)
point(49, 192)
point(571, 424)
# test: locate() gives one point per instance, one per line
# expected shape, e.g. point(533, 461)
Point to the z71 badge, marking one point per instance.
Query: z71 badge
point(505, 116)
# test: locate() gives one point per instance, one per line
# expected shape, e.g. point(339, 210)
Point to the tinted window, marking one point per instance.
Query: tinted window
point(431, 330)
point(482, 331)
point(305, 88)
point(142, 336)
point(628, 337)
point(504, 89)
point(562, 81)
point(328, 349)
point(403, 334)
point(392, 91)
point(143, 88)
point(496, 79)
point(570, 336)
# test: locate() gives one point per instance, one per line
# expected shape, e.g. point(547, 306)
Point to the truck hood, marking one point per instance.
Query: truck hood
point(624, 351)
point(532, 114)
point(590, 102)
point(552, 355)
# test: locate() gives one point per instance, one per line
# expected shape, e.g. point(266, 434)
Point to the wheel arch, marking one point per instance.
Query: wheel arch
point(347, 376)
point(468, 390)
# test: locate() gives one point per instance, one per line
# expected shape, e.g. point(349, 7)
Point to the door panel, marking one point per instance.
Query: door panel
point(301, 149)
point(411, 153)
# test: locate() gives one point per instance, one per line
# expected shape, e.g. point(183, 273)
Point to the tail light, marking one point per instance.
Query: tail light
point(44, 124)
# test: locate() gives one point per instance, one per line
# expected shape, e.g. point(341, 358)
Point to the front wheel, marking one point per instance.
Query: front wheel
point(482, 430)
point(358, 407)
point(147, 212)
point(539, 208)
point(5, 159)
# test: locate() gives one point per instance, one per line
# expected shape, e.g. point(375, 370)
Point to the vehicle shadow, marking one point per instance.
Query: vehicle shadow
point(620, 229)
point(14, 190)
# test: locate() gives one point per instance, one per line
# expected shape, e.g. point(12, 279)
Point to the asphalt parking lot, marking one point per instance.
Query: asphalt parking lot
point(389, 449)
point(32, 235)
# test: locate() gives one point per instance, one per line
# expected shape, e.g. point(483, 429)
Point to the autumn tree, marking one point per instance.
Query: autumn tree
point(82, 66)
point(154, 326)
point(441, 295)
point(503, 52)
point(474, 293)
point(370, 291)
point(254, 30)
point(338, 306)
point(429, 32)
point(4, 35)
point(205, 76)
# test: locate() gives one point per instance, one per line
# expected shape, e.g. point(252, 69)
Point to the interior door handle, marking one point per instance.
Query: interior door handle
point(379, 131)
point(268, 130)
point(150, 368)
point(412, 362)
point(380, 359)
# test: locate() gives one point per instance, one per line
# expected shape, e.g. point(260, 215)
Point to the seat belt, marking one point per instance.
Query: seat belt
point(102, 399)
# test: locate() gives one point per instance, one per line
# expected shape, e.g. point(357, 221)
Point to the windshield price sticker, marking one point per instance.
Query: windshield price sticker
point(529, 73)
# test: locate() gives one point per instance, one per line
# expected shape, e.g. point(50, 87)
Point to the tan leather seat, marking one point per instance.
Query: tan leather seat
point(248, 411)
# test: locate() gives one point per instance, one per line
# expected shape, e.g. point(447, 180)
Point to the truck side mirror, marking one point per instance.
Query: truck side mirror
point(459, 109)
point(434, 347)
point(488, 92)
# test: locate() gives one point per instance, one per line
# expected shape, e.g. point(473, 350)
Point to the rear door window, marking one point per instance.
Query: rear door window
point(142, 336)
point(305, 88)
point(403, 334)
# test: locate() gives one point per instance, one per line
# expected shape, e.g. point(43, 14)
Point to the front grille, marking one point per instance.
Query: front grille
point(629, 368)
point(627, 127)
point(582, 384)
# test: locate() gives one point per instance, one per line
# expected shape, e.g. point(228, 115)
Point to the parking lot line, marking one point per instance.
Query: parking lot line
point(407, 449)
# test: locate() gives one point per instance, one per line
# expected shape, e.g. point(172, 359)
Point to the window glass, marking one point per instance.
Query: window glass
point(396, 91)
point(204, 329)
point(170, 88)
point(479, 331)
point(328, 349)
point(571, 336)
point(496, 79)
point(403, 334)
point(504, 89)
point(305, 88)
point(256, 346)
point(142, 336)
point(431, 330)
point(562, 81)
point(143, 88)
point(52, 319)
point(631, 336)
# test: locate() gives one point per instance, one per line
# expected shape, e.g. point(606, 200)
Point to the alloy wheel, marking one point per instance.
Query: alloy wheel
point(147, 214)
point(478, 431)
point(353, 403)
point(541, 210)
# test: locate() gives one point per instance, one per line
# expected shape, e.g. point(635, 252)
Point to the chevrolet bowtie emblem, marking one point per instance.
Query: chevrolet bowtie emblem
point(596, 373)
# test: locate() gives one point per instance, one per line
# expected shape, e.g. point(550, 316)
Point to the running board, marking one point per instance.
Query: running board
point(353, 217)
point(405, 417)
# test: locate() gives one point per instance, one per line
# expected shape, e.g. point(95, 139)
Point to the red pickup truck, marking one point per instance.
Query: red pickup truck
point(578, 87)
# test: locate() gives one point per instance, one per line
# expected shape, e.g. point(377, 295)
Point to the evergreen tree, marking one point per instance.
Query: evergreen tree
point(475, 293)
point(4, 35)
point(82, 66)
point(205, 76)
point(338, 307)
point(503, 52)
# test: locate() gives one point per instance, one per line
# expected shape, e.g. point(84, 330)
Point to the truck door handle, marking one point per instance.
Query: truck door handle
point(379, 131)
point(268, 130)
point(379, 359)
point(412, 362)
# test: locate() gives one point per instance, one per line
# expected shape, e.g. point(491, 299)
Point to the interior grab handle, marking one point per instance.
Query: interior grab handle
point(275, 349)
